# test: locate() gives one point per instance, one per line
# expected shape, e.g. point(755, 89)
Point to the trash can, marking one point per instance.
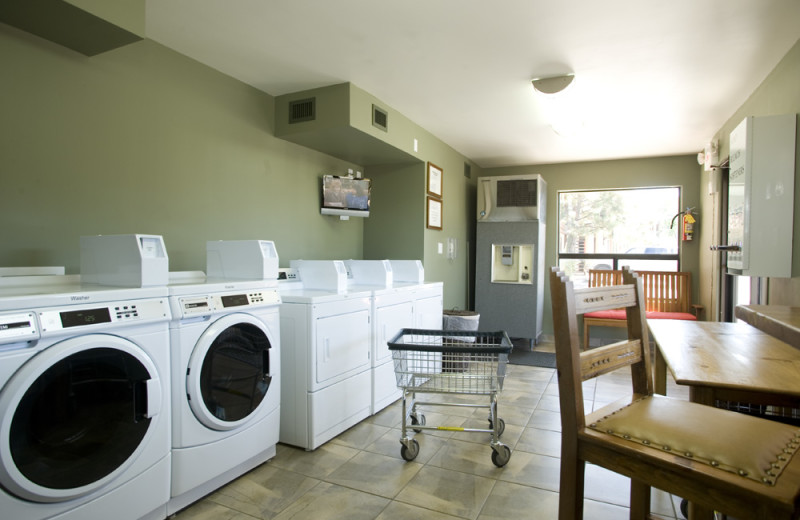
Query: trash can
point(459, 320)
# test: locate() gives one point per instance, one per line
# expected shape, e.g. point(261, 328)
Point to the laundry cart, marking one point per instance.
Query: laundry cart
point(469, 363)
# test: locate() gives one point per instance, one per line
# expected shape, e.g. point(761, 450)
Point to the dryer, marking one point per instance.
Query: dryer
point(326, 334)
point(84, 399)
point(226, 361)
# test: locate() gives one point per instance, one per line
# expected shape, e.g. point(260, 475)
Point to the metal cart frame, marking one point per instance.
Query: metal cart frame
point(450, 362)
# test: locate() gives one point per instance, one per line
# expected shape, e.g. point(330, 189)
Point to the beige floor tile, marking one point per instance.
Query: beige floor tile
point(318, 463)
point(375, 473)
point(389, 445)
point(511, 501)
point(467, 457)
point(541, 442)
point(361, 435)
point(263, 492)
point(401, 511)
point(545, 420)
point(331, 502)
point(449, 492)
point(206, 510)
point(530, 469)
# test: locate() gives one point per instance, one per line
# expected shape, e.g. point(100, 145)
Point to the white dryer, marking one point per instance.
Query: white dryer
point(84, 400)
point(226, 361)
point(326, 334)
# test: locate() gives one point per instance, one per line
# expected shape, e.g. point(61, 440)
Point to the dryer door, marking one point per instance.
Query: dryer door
point(229, 371)
point(75, 416)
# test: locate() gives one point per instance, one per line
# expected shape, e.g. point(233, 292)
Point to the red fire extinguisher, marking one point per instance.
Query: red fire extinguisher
point(688, 225)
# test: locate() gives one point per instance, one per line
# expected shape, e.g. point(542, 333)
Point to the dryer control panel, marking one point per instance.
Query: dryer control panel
point(106, 315)
point(190, 306)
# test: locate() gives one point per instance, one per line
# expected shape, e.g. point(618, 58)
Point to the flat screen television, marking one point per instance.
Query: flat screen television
point(345, 196)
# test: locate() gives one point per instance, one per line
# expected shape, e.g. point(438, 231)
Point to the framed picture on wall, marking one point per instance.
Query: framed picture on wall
point(434, 213)
point(434, 180)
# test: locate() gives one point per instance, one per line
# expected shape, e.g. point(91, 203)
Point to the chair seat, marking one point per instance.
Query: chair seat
point(750, 447)
point(619, 314)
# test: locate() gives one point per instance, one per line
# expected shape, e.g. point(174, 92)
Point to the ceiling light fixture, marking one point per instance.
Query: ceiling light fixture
point(552, 85)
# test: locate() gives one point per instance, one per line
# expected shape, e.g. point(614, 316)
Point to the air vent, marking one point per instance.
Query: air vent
point(467, 171)
point(380, 118)
point(302, 110)
point(516, 193)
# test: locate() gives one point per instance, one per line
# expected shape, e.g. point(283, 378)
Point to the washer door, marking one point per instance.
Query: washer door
point(75, 416)
point(229, 372)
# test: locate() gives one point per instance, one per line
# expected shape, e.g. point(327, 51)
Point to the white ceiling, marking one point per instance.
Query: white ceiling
point(653, 77)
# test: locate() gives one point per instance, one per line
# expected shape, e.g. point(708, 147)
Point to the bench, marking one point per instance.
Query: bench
point(667, 296)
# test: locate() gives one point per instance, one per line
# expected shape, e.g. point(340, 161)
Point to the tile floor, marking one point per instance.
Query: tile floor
point(361, 475)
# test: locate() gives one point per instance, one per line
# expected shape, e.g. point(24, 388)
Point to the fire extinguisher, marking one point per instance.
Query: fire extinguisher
point(688, 225)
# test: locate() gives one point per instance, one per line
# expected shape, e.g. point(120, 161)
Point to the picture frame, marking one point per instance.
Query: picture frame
point(434, 220)
point(435, 177)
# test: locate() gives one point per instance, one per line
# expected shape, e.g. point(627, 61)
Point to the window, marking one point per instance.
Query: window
point(612, 228)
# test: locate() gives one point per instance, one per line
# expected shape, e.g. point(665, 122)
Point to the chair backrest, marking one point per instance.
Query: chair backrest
point(576, 366)
point(601, 277)
point(664, 291)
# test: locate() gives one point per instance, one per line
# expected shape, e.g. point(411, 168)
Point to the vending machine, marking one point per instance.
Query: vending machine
point(509, 263)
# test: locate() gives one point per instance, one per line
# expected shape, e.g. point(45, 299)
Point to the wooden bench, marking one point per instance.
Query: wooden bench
point(667, 296)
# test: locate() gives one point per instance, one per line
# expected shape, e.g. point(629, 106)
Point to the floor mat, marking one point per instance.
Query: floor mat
point(532, 358)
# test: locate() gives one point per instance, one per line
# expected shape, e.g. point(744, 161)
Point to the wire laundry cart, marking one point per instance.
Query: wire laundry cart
point(450, 362)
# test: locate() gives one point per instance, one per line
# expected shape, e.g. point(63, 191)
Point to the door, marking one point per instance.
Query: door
point(390, 319)
point(230, 372)
point(75, 417)
point(342, 345)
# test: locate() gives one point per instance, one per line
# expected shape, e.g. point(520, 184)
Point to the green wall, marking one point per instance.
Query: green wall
point(680, 171)
point(144, 140)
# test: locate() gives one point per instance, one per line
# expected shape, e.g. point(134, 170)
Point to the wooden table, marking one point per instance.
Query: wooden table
point(780, 321)
point(726, 361)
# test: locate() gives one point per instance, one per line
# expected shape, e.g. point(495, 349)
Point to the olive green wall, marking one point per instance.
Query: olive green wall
point(778, 94)
point(680, 171)
point(144, 140)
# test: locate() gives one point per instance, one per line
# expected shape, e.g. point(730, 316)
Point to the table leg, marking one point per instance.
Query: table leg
point(702, 395)
point(660, 375)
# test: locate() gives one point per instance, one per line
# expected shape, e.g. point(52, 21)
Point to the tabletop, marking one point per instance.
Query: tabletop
point(718, 358)
point(781, 321)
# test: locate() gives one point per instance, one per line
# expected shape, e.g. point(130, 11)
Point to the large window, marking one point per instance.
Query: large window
point(612, 228)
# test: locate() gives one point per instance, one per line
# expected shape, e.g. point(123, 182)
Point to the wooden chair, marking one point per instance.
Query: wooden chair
point(720, 460)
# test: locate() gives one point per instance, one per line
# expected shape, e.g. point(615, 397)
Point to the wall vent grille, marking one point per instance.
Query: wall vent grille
point(467, 170)
point(302, 110)
point(380, 118)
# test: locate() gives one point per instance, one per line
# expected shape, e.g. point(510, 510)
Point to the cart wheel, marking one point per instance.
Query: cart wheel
point(501, 455)
point(420, 420)
point(501, 426)
point(685, 508)
point(411, 451)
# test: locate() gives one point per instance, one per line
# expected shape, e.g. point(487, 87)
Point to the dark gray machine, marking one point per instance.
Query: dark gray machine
point(509, 263)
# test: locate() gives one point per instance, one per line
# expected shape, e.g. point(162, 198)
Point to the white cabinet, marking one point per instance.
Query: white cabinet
point(761, 196)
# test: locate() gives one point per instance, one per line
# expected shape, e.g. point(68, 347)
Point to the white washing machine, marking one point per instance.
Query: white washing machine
point(84, 400)
point(226, 361)
point(326, 338)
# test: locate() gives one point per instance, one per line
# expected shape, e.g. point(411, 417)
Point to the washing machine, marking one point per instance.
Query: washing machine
point(226, 358)
point(326, 338)
point(84, 399)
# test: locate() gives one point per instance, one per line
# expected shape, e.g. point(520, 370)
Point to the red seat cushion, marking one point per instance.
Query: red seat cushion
point(619, 314)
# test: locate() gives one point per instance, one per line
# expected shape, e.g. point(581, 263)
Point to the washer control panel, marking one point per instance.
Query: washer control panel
point(190, 306)
point(110, 314)
point(18, 327)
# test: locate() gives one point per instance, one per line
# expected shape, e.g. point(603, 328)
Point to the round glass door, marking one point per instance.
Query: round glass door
point(76, 413)
point(229, 373)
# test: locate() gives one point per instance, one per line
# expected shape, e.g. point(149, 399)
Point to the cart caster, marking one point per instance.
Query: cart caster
point(417, 420)
point(501, 454)
point(409, 451)
point(501, 426)
point(685, 508)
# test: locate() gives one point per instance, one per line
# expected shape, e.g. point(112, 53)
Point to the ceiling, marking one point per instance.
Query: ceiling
point(652, 78)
